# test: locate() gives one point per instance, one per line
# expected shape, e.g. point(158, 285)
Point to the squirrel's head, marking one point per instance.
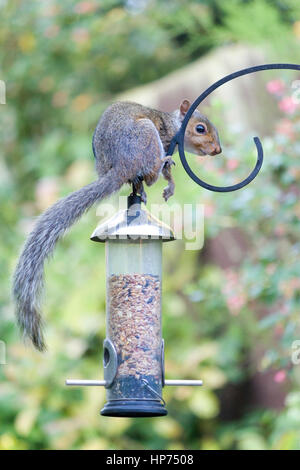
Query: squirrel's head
point(201, 136)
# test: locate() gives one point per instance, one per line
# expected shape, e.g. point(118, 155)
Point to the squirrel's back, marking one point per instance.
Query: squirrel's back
point(117, 123)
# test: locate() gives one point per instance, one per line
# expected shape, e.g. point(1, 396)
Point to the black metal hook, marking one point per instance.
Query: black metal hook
point(178, 139)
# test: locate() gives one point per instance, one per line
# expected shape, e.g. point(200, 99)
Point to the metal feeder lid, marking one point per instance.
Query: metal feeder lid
point(133, 223)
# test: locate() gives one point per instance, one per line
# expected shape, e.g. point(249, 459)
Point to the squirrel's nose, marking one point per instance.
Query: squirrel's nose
point(217, 150)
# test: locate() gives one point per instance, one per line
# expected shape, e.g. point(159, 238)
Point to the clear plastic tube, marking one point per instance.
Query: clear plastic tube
point(134, 320)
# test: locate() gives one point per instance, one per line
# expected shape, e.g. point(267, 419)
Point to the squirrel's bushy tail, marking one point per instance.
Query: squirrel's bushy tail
point(50, 227)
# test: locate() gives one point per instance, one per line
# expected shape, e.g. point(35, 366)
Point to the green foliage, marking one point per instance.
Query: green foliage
point(62, 64)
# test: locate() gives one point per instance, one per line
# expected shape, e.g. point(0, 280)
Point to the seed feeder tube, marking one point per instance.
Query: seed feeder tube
point(133, 356)
point(133, 347)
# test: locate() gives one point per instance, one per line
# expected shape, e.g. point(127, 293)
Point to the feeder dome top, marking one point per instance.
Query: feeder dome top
point(133, 223)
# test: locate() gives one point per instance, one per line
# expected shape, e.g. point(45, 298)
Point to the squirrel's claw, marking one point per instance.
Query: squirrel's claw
point(168, 161)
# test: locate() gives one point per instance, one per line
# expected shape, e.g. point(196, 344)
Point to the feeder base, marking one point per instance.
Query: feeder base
point(133, 408)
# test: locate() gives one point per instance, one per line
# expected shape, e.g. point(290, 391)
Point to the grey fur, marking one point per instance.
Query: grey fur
point(50, 227)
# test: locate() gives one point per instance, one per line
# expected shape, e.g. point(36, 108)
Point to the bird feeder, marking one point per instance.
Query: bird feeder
point(134, 374)
point(133, 350)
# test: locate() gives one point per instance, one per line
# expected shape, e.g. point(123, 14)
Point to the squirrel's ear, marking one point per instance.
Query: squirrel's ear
point(184, 107)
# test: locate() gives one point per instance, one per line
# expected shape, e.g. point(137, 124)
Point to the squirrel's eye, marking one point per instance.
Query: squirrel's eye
point(200, 129)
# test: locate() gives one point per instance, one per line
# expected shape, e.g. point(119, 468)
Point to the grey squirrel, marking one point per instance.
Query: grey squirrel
point(129, 145)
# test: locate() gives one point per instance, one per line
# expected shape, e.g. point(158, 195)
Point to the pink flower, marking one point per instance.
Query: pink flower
point(235, 303)
point(271, 268)
point(51, 31)
point(233, 292)
point(80, 35)
point(280, 230)
point(280, 376)
point(288, 105)
point(209, 209)
point(85, 7)
point(275, 87)
point(285, 127)
point(278, 330)
point(232, 164)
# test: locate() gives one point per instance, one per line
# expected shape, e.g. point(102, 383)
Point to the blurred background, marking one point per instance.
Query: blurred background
point(231, 310)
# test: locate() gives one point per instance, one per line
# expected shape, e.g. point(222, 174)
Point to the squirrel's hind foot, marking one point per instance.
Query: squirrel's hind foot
point(139, 188)
point(168, 191)
point(143, 197)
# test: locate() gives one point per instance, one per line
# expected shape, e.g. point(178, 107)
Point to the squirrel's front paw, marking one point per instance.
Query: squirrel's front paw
point(168, 161)
point(168, 192)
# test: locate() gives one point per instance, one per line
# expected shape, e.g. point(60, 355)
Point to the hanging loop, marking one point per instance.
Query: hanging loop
point(178, 139)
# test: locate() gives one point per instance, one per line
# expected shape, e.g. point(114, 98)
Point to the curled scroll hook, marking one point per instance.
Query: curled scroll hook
point(178, 139)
